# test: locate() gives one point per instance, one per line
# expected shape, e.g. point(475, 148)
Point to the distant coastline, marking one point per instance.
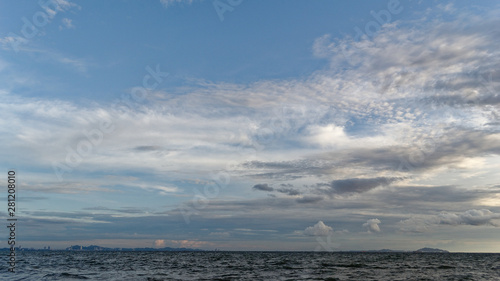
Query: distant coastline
point(95, 248)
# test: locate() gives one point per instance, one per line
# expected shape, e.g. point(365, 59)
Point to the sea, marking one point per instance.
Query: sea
point(74, 265)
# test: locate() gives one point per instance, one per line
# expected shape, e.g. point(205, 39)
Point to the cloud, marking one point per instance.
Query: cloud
point(470, 217)
point(327, 136)
point(67, 187)
point(308, 199)
point(372, 225)
point(8, 42)
point(224, 234)
point(357, 185)
point(66, 24)
point(289, 191)
point(120, 212)
point(56, 6)
point(148, 148)
point(266, 187)
point(160, 243)
point(44, 55)
point(163, 190)
point(263, 187)
point(473, 217)
point(319, 229)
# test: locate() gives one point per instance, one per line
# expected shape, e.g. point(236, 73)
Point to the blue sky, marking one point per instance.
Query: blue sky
point(253, 125)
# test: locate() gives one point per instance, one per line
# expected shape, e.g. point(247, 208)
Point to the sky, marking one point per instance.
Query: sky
point(252, 125)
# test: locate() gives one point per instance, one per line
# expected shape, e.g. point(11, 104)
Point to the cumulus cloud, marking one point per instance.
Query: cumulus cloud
point(160, 243)
point(372, 225)
point(263, 187)
point(319, 229)
point(329, 136)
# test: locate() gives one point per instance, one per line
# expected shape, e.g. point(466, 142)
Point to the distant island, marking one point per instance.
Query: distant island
point(430, 250)
point(422, 250)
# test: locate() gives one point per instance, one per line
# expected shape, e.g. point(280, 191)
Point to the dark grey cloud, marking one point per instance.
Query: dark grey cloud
point(148, 148)
point(418, 195)
point(356, 185)
point(263, 187)
point(289, 191)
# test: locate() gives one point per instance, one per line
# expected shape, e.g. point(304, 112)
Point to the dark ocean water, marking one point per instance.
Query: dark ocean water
point(56, 265)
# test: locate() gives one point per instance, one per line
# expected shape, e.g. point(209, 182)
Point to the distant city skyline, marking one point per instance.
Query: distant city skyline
point(252, 125)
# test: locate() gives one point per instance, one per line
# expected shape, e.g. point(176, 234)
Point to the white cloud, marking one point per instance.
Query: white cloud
point(319, 229)
point(163, 190)
point(371, 225)
point(66, 24)
point(10, 42)
point(55, 6)
point(330, 136)
point(323, 47)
